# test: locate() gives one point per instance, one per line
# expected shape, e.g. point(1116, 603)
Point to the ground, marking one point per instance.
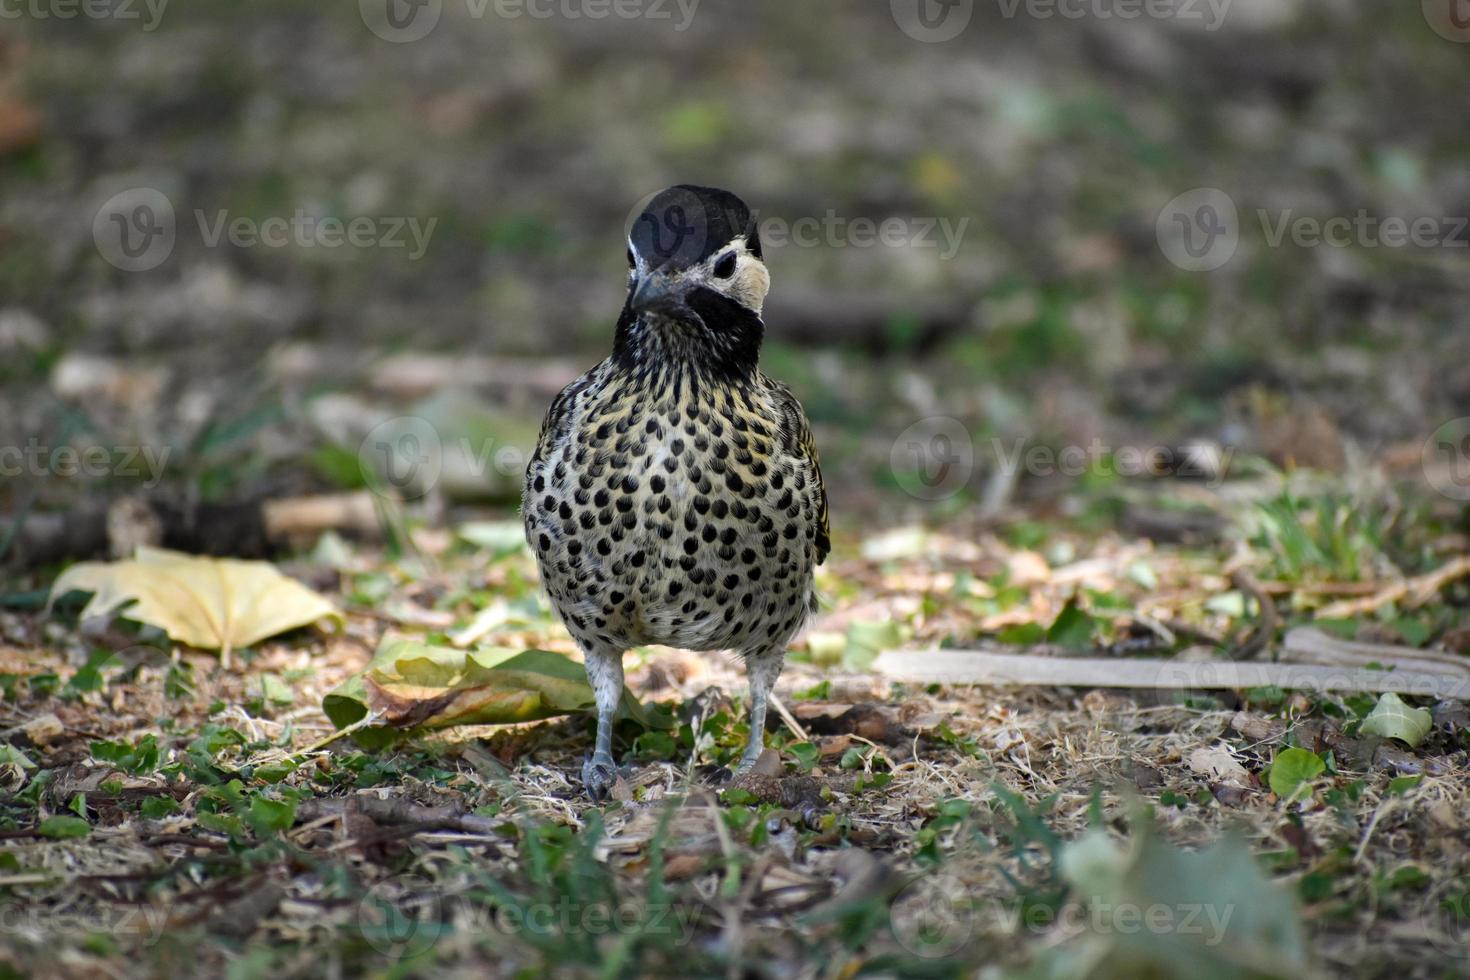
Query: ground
point(1044, 431)
point(185, 816)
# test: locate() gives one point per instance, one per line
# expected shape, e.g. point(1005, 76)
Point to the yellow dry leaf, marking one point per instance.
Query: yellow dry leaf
point(210, 603)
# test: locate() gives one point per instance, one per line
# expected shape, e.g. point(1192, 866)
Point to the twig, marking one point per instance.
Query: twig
point(788, 717)
point(1265, 630)
point(1415, 591)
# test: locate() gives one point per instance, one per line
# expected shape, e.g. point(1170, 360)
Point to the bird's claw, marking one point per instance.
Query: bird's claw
point(599, 776)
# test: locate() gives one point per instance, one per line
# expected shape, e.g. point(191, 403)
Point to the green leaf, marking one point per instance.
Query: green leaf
point(62, 826)
point(1072, 628)
point(806, 755)
point(865, 640)
point(12, 756)
point(1293, 769)
point(1400, 785)
point(1022, 634)
point(138, 759)
point(268, 817)
point(1242, 924)
point(158, 807)
point(1391, 718)
point(417, 686)
point(276, 691)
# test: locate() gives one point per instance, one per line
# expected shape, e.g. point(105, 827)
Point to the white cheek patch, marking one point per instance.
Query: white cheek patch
point(751, 282)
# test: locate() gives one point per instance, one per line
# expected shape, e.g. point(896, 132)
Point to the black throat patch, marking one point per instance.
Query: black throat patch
point(723, 344)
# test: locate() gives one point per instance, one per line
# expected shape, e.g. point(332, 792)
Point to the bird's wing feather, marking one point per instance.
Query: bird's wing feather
point(796, 432)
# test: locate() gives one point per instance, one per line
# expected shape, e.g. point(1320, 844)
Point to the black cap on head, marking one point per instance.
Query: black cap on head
point(684, 225)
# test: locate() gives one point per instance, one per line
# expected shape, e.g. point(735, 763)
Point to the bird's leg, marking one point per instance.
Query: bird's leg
point(605, 674)
point(762, 668)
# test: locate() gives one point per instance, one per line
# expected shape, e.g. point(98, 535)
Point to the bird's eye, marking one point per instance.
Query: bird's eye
point(725, 268)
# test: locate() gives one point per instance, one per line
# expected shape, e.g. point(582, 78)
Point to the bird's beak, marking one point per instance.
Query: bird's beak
point(661, 295)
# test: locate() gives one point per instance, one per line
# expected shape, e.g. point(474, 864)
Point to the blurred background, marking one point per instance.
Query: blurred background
point(256, 250)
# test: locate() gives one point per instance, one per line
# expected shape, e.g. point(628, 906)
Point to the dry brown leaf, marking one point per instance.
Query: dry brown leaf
point(210, 603)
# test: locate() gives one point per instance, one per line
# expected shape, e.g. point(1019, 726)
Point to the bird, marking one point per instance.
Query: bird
point(675, 496)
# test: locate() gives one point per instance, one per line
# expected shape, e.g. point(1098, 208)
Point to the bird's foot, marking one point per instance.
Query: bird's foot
point(716, 776)
point(600, 775)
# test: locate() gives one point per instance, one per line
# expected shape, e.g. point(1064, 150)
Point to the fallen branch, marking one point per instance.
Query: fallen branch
point(1414, 592)
point(1004, 669)
point(1307, 645)
point(246, 529)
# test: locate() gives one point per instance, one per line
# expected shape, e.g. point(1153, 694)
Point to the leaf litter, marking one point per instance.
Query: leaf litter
point(1039, 826)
